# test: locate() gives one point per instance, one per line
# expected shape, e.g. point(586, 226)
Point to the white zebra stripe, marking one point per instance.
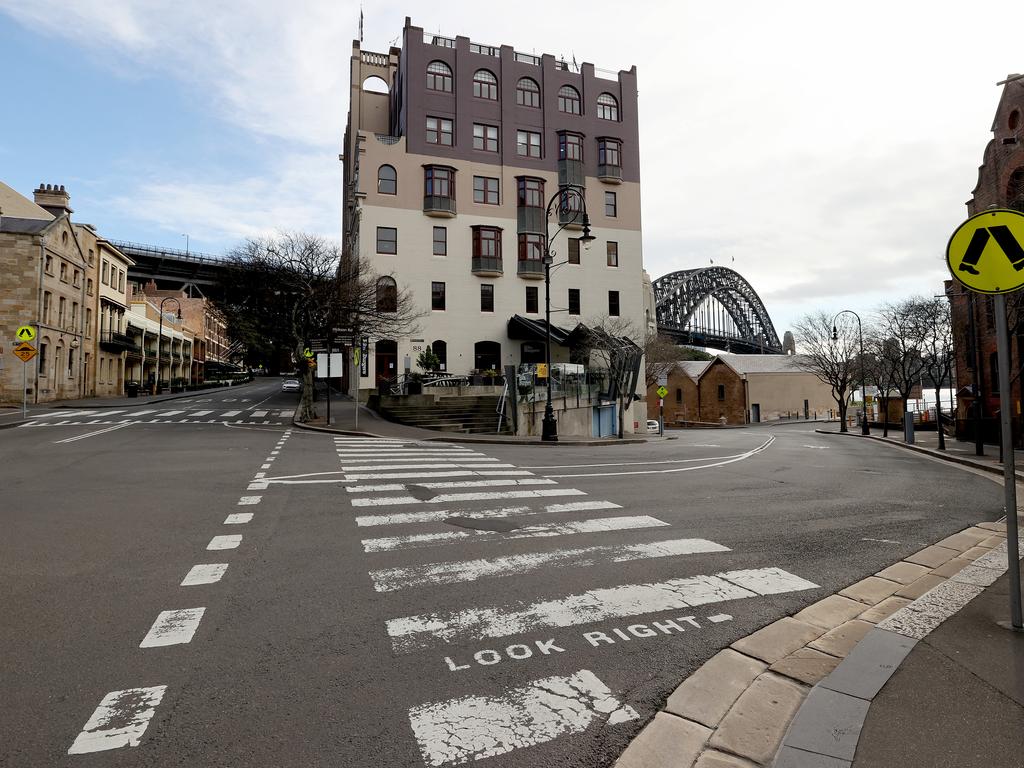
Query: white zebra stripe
point(452, 484)
point(445, 498)
point(437, 515)
point(446, 473)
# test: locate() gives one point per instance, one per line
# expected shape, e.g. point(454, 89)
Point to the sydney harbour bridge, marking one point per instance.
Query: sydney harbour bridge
point(714, 307)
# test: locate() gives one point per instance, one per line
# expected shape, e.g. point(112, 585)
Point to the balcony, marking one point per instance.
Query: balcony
point(531, 220)
point(441, 207)
point(610, 174)
point(531, 269)
point(571, 173)
point(112, 341)
point(487, 266)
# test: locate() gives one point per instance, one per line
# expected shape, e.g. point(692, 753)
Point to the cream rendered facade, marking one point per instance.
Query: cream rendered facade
point(386, 130)
point(110, 325)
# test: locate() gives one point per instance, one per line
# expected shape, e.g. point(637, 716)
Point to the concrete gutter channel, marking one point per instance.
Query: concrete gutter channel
point(795, 694)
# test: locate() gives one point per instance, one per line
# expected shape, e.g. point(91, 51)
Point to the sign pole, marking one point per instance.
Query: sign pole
point(355, 385)
point(329, 347)
point(1009, 476)
point(24, 390)
point(661, 416)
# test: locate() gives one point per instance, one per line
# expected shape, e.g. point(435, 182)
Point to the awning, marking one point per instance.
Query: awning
point(524, 329)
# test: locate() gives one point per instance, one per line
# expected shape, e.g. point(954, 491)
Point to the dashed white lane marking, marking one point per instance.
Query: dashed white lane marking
point(225, 542)
point(474, 624)
point(445, 473)
point(261, 486)
point(445, 498)
point(476, 727)
point(227, 414)
point(392, 579)
point(545, 530)
point(718, 618)
point(207, 573)
point(451, 484)
point(173, 628)
point(436, 515)
point(201, 413)
point(165, 414)
point(119, 721)
point(264, 466)
point(246, 500)
point(259, 414)
point(237, 518)
point(92, 434)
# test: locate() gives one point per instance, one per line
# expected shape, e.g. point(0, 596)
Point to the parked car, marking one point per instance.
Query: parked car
point(291, 385)
point(652, 425)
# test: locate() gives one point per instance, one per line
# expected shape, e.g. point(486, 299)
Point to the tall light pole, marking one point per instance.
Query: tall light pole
point(564, 196)
point(864, 428)
point(160, 337)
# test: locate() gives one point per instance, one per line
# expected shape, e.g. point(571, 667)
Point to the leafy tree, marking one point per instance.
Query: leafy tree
point(427, 360)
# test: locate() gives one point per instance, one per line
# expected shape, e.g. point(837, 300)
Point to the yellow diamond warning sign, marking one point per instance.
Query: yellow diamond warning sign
point(986, 252)
point(25, 351)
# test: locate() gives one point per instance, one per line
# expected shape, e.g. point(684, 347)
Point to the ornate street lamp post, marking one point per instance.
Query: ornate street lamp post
point(565, 196)
point(864, 428)
point(159, 338)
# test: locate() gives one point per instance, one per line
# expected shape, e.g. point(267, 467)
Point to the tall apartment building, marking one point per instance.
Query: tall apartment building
point(452, 152)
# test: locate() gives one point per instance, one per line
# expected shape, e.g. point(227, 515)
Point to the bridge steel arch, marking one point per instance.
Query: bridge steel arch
point(678, 295)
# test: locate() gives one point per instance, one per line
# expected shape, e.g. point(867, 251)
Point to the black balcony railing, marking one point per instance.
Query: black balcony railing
point(112, 341)
point(487, 265)
point(531, 268)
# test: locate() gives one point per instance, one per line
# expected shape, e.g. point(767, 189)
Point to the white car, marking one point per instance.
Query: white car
point(652, 425)
point(291, 385)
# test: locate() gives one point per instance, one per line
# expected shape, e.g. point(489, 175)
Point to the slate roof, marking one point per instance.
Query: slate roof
point(693, 368)
point(24, 226)
point(744, 364)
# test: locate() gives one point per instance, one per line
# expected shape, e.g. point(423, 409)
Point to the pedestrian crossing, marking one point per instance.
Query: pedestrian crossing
point(403, 506)
point(72, 418)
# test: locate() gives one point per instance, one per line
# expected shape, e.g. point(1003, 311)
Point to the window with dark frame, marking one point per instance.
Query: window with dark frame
point(437, 296)
point(528, 144)
point(569, 100)
point(613, 303)
point(487, 242)
point(439, 77)
point(485, 190)
point(486, 297)
point(485, 137)
point(613, 253)
point(679, 395)
point(387, 180)
point(485, 85)
point(574, 301)
point(438, 181)
point(387, 240)
point(570, 146)
point(531, 247)
point(574, 250)
point(387, 295)
point(530, 192)
point(611, 207)
point(607, 107)
point(532, 300)
point(440, 130)
point(721, 391)
point(440, 241)
point(527, 93)
point(609, 152)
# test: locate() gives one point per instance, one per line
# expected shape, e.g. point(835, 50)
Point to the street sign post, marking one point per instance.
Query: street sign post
point(662, 391)
point(985, 254)
point(25, 352)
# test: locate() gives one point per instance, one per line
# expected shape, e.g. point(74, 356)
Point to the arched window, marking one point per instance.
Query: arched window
point(387, 295)
point(440, 348)
point(485, 85)
point(439, 77)
point(487, 356)
point(568, 100)
point(607, 107)
point(527, 93)
point(387, 180)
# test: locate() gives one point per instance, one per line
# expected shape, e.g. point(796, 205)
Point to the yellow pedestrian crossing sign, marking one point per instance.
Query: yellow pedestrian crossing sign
point(307, 353)
point(662, 391)
point(25, 333)
point(986, 252)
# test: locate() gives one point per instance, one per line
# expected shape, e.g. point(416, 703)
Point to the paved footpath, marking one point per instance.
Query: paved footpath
point(904, 668)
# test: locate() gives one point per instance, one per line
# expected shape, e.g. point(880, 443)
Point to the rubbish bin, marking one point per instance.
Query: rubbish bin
point(131, 388)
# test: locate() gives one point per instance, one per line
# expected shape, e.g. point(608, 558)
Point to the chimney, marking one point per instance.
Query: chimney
point(53, 198)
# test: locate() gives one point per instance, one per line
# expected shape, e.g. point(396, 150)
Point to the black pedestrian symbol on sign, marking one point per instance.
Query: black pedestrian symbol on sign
point(25, 333)
point(1004, 238)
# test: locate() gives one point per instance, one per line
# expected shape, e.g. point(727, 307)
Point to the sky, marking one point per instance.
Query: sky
point(824, 151)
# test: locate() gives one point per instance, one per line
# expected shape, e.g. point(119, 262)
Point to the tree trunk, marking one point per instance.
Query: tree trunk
point(842, 415)
point(938, 420)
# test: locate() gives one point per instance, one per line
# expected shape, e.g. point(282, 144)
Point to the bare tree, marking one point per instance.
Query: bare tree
point(832, 360)
point(613, 342)
point(880, 363)
point(899, 324)
point(936, 328)
point(283, 291)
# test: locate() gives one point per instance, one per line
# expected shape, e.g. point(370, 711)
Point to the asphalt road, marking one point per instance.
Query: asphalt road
point(532, 607)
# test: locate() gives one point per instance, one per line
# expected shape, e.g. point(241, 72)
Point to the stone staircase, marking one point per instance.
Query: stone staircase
point(468, 414)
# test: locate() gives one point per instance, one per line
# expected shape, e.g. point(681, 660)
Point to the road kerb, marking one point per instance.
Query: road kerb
point(807, 650)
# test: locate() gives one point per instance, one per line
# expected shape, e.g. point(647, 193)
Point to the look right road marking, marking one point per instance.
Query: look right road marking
point(119, 720)
point(475, 727)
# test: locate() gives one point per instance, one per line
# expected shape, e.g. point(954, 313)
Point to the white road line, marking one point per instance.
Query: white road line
point(225, 542)
point(228, 414)
point(640, 463)
point(722, 463)
point(545, 530)
point(436, 515)
point(93, 434)
point(264, 466)
point(165, 414)
point(259, 414)
point(472, 728)
point(445, 498)
point(446, 473)
point(463, 461)
point(207, 573)
point(119, 721)
point(475, 624)
point(201, 413)
point(393, 579)
point(452, 484)
point(62, 413)
point(142, 413)
point(238, 518)
point(443, 465)
point(173, 628)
